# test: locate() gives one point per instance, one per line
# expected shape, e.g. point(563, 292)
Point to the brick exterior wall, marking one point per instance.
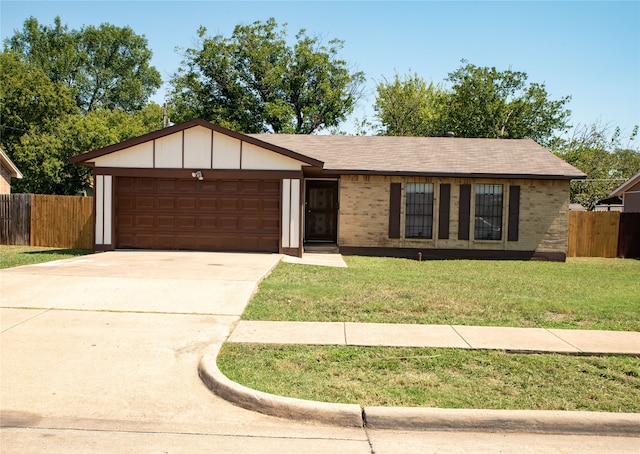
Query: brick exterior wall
point(364, 214)
point(5, 180)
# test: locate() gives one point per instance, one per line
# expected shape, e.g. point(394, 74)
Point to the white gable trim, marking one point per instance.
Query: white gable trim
point(197, 148)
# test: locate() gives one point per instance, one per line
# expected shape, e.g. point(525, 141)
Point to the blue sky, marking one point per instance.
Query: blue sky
point(589, 50)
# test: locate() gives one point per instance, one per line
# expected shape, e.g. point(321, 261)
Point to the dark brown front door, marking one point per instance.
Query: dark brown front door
point(188, 214)
point(321, 211)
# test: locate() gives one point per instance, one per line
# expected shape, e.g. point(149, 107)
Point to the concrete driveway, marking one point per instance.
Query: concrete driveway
point(100, 354)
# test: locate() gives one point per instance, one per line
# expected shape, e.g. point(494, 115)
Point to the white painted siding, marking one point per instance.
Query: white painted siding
point(138, 156)
point(108, 208)
point(169, 151)
point(290, 213)
point(286, 203)
point(197, 148)
point(294, 221)
point(99, 209)
point(256, 158)
point(226, 152)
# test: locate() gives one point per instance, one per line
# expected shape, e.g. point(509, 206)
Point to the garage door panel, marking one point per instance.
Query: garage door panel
point(225, 215)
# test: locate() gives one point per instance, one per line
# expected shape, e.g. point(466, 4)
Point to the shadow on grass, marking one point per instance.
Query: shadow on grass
point(70, 252)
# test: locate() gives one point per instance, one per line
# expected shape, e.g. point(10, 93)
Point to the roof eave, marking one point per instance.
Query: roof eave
point(626, 185)
point(9, 165)
point(83, 159)
point(453, 174)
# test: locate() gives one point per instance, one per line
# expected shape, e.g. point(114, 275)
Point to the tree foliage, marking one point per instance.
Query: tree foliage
point(253, 81)
point(481, 102)
point(65, 92)
point(28, 98)
point(410, 107)
point(602, 155)
point(105, 67)
point(43, 153)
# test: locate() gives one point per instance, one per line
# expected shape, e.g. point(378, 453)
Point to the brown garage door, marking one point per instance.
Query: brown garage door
point(212, 215)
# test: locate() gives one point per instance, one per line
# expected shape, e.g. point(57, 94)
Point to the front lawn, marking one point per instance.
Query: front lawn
point(444, 378)
point(581, 293)
point(11, 256)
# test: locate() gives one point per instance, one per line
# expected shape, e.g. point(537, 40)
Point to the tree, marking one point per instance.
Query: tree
point(105, 67)
point(481, 102)
point(603, 157)
point(43, 153)
point(28, 99)
point(486, 102)
point(410, 107)
point(255, 82)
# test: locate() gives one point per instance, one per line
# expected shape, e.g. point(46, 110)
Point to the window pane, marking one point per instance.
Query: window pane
point(419, 210)
point(488, 217)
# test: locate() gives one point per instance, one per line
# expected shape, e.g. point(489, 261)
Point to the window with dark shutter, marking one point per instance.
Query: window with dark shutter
point(464, 211)
point(444, 211)
point(394, 210)
point(419, 211)
point(488, 213)
point(514, 213)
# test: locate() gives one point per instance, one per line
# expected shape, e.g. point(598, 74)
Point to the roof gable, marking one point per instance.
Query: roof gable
point(9, 165)
point(627, 185)
point(158, 149)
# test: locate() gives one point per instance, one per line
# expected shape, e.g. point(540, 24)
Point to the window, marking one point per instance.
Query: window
point(488, 220)
point(419, 211)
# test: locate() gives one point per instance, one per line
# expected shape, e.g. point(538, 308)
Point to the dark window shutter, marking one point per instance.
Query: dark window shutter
point(444, 211)
point(394, 210)
point(514, 213)
point(464, 212)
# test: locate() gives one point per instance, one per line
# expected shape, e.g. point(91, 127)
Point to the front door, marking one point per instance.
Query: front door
point(321, 211)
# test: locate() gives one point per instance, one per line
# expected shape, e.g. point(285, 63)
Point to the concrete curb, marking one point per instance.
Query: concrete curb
point(347, 415)
point(529, 421)
point(416, 418)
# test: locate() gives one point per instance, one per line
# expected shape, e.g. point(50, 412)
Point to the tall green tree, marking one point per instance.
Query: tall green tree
point(410, 107)
point(105, 67)
point(43, 153)
point(254, 81)
point(480, 102)
point(486, 102)
point(28, 99)
point(606, 159)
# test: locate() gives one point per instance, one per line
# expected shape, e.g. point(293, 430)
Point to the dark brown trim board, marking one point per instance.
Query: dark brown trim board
point(395, 200)
point(444, 211)
point(453, 254)
point(514, 213)
point(464, 212)
point(206, 174)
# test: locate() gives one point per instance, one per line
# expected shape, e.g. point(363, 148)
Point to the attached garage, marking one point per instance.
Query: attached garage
point(198, 186)
point(221, 215)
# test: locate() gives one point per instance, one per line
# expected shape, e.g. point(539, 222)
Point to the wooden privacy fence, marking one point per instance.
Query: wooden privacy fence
point(603, 234)
point(47, 220)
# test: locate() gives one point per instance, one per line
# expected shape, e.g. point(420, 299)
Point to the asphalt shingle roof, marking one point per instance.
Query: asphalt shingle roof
point(427, 155)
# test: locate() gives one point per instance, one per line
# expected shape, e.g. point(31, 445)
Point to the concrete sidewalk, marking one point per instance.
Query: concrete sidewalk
point(530, 340)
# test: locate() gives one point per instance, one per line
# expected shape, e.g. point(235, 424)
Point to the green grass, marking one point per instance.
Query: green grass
point(445, 378)
point(11, 256)
point(580, 293)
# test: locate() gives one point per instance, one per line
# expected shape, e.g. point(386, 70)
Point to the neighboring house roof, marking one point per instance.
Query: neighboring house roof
point(428, 155)
point(9, 165)
point(624, 187)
